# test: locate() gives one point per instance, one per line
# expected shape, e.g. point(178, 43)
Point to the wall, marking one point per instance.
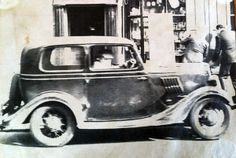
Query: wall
point(206, 14)
point(29, 21)
point(161, 39)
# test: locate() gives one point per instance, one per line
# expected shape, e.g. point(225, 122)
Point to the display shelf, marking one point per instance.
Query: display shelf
point(178, 11)
point(136, 16)
point(179, 26)
point(179, 15)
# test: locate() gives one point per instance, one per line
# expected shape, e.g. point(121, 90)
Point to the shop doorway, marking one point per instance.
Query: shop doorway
point(86, 20)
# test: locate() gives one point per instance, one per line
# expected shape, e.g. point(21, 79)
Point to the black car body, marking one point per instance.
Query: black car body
point(101, 82)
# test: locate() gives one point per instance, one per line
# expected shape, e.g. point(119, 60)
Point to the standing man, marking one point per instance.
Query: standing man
point(225, 52)
point(196, 49)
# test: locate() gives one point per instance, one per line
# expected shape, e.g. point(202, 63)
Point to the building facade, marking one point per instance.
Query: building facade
point(40, 20)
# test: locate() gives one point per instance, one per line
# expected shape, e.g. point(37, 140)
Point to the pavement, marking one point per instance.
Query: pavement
point(163, 142)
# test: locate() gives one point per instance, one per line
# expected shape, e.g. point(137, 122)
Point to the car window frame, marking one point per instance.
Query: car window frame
point(67, 68)
point(140, 67)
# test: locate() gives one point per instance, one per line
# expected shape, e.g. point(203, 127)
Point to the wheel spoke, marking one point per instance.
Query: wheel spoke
point(53, 124)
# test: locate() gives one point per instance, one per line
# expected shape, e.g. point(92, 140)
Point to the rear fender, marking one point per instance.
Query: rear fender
point(74, 104)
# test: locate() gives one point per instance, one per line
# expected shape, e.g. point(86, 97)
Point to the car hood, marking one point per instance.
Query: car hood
point(179, 68)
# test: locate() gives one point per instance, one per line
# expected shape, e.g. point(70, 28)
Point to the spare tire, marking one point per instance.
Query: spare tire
point(14, 95)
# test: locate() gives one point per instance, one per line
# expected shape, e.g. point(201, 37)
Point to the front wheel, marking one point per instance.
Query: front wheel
point(52, 125)
point(210, 118)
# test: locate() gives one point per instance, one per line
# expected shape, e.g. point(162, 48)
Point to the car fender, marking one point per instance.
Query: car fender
point(180, 111)
point(74, 104)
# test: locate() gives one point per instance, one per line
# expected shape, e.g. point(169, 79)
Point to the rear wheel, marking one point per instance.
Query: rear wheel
point(210, 118)
point(52, 125)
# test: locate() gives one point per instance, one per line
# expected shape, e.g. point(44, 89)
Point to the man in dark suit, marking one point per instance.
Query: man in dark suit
point(225, 52)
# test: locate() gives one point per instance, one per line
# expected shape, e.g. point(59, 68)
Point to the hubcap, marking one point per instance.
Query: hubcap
point(211, 116)
point(53, 124)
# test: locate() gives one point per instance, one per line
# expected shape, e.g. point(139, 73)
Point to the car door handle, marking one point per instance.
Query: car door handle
point(143, 78)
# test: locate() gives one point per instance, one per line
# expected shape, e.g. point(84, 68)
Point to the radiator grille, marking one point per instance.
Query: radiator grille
point(172, 85)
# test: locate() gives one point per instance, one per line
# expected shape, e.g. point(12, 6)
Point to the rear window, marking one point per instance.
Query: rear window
point(63, 58)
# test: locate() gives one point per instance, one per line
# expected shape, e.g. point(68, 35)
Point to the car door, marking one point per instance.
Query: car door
point(118, 88)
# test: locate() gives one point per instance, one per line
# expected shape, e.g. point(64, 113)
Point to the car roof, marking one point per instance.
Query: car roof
point(72, 40)
point(31, 54)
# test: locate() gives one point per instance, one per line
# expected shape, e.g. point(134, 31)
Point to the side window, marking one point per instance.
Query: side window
point(63, 58)
point(113, 58)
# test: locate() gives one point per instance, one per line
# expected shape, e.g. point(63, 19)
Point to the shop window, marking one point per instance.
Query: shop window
point(85, 20)
point(176, 7)
point(165, 6)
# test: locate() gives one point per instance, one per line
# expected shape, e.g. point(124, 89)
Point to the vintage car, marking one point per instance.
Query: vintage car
point(102, 83)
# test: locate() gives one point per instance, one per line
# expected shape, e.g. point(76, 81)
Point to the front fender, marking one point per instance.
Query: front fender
point(74, 104)
point(180, 111)
point(212, 91)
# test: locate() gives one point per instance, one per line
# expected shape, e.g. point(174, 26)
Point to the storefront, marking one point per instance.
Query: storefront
point(155, 25)
point(198, 16)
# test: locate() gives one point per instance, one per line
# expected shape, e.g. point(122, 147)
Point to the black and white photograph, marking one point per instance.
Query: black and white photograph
point(117, 78)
